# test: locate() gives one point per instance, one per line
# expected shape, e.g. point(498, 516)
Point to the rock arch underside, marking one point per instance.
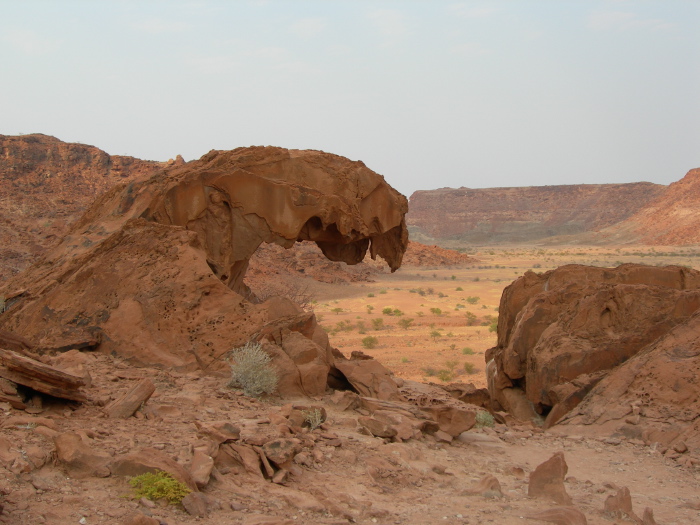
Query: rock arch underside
point(154, 271)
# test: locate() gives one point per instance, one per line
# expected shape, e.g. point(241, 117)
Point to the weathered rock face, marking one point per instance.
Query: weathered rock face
point(154, 269)
point(560, 332)
point(654, 396)
point(511, 215)
point(45, 185)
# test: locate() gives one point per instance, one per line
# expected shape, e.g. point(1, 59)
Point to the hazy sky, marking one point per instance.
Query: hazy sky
point(427, 93)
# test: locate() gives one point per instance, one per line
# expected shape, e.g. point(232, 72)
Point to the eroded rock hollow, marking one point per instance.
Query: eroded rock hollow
point(154, 271)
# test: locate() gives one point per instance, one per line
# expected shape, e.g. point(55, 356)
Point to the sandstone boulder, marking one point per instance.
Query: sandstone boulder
point(560, 332)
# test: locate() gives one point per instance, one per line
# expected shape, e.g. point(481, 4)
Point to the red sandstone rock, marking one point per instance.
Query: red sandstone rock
point(547, 480)
point(157, 265)
point(619, 505)
point(150, 460)
point(488, 486)
point(79, 458)
point(576, 321)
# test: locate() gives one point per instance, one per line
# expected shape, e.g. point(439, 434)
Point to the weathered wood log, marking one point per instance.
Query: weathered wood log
point(130, 402)
point(41, 377)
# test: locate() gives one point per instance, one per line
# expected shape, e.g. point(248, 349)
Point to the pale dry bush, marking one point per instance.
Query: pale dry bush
point(251, 370)
point(294, 291)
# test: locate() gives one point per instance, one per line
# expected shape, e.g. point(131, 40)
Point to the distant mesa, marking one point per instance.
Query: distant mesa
point(639, 212)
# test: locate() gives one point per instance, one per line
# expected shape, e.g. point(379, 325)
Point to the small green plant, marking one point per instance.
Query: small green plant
point(445, 375)
point(370, 294)
point(251, 370)
point(493, 327)
point(378, 323)
point(453, 346)
point(484, 419)
point(454, 277)
point(405, 323)
point(469, 368)
point(159, 485)
point(420, 314)
point(369, 308)
point(436, 311)
point(429, 372)
point(388, 310)
point(370, 342)
point(451, 365)
point(435, 335)
point(382, 291)
point(405, 360)
point(397, 312)
point(314, 418)
point(361, 327)
point(472, 300)
point(337, 310)
point(459, 289)
point(467, 351)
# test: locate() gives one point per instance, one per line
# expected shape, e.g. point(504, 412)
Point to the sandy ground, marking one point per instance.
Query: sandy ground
point(417, 352)
point(353, 478)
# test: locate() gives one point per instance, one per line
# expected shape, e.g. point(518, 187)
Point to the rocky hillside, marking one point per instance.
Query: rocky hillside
point(45, 185)
point(670, 219)
point(520, 215)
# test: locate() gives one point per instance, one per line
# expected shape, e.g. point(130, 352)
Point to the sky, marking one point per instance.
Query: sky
point(429, 94)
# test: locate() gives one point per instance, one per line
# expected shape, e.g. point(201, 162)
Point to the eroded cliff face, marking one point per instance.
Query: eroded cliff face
point(45, 185)
point(519, 215)
point(154, 271)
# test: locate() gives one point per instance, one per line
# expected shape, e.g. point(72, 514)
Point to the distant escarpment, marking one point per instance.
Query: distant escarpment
point(522, 215)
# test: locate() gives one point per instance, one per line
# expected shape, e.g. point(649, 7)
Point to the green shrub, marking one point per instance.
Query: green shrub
point(459, 289)
point(467, 351)
point(472, 300)
point(445, 375)
point(436, 311)
point(369, 308)
point(378, 323)
point(494, 325)
point(370, 341)
point(337, 310)
point(382, 291)
point(388, 310)
point(469, 368)
point(405, 323)
point(484, 419)
point(370, 294)
point(435, 334)
point(251, 370)
point(159, 485)
point(430, 372)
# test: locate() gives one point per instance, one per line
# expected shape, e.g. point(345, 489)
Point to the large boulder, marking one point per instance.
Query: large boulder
point(560, 332)
point(155, 269)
